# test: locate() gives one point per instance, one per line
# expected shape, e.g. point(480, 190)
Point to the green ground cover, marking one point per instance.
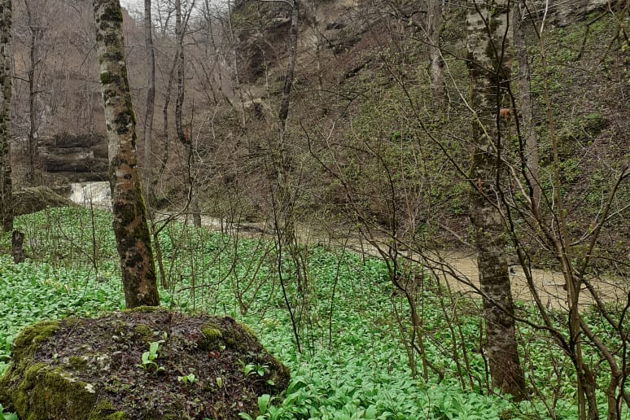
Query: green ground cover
point(354, 363)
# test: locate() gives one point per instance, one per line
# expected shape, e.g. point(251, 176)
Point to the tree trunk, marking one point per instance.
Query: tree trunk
point(130, 222)
point(524, 106)
point(185, 137)
point(150, 105)
point(283, 113)
point(6, 186)
point(31, 173)
point(17, 247)
point(434, 30)
point(284, 220)
point(489, 66)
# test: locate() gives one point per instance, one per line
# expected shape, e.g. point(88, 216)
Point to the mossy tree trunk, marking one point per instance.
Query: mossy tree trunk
point(6, 190)
point(130, 222)
point(488, 39)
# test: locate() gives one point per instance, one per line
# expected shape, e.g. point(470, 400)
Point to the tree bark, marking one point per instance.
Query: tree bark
point(184, 137)
point(6, 186)
point(283, 113)
point(150, 105)
point(130, 222)
point(434, 30)
point(17, 247)
point(33, 154)
point(525, 109)
point(489, 66)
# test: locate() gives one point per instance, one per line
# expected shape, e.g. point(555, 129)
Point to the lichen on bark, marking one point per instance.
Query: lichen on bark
point(130, 222)
point(488, 42)
point(6, 186)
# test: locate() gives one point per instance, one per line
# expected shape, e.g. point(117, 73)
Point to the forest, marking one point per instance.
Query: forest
point(314, 209)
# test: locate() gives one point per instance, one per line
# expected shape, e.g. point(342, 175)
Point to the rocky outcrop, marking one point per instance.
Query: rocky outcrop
point(77, 158)
point(262, 29)
point(146, 363)
point(33, 199)
point(563, 12)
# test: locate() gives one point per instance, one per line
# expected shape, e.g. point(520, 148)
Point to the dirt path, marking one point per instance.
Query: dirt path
point(459, 265)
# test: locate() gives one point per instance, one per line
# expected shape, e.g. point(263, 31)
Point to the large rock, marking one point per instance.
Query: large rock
point(100, 369)
point(33, 199)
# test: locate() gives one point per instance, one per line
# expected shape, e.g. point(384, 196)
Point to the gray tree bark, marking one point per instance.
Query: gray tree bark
point(150, 105)
point(434, 31)
point(283, 197)
point(6, 186)
point(489, 66)
point(130, 221)
point(35, 36)
point(524, 106)
point(283, 113)
point(185, 138)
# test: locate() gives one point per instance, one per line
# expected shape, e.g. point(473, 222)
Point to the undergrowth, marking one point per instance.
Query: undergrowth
point(353, 365)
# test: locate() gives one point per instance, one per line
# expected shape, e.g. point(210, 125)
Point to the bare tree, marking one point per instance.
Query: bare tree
point(488, 39)
point(36, 30)
point(150, 105)
point(130, 222)
point(185, 138)
point(434, 30)
point(525, 102)
point(6, 190)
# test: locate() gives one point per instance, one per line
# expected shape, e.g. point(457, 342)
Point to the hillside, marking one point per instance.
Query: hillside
point(421, 208)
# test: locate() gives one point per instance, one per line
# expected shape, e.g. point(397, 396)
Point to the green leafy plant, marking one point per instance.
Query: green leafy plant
point(5, 415)
point(255, 369)
point(188, 379)
point(149, 357)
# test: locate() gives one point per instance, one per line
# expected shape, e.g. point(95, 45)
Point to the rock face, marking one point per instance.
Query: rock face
point(563, 13)
point(77, 158)
point(147, 363)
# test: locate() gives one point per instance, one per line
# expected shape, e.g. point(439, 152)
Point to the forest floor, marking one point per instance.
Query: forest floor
point(457, 266)
point(353, 326)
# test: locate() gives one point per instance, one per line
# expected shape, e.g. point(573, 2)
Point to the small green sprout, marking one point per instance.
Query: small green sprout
point(149, 357)
point(188, 379)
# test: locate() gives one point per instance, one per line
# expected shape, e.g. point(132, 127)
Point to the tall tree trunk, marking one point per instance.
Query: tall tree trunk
point(6, 189)
point(283, 113)
point(32, 97)
point(130, 222)
point(525, 105)
point(185, 137)
point(282, 164)
point(489, 66)
point(434, 30)
point(150, 105)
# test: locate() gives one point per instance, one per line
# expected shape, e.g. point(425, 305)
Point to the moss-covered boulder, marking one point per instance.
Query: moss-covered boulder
point(145, 363)
point(33, 199)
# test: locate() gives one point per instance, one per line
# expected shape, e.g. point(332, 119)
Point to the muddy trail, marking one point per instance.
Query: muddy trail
point(457, 267)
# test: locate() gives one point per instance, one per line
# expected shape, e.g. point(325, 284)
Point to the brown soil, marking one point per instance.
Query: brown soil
point(459, 268)
point(106, 354)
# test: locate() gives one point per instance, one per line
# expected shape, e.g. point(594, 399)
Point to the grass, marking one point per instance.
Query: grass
point(354, 363)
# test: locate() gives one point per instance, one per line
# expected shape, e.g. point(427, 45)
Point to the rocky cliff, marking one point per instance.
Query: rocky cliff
point(75, 158)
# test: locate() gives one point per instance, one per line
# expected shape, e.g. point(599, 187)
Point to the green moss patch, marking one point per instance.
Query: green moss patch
point(138, 365)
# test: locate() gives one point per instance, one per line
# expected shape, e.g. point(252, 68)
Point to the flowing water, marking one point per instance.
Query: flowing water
point(95, 194)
